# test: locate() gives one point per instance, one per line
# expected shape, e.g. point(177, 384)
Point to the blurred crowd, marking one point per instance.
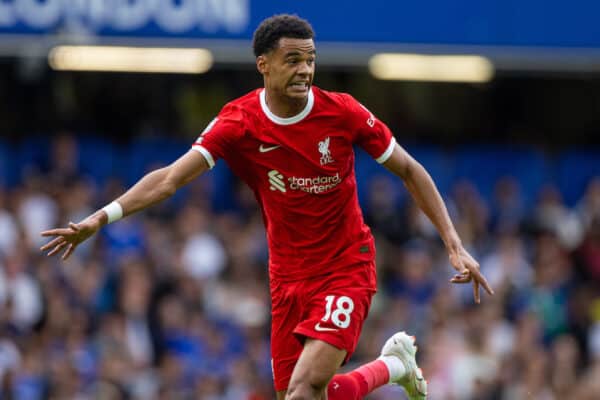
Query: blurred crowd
point(173, 303)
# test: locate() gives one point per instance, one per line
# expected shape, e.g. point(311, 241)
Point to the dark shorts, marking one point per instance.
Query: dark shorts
point(331, 308)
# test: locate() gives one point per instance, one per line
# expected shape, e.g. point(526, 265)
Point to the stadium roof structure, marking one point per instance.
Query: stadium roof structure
point(535, 35)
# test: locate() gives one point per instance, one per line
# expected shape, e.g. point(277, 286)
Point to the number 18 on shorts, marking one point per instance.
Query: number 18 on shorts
point(332, 309)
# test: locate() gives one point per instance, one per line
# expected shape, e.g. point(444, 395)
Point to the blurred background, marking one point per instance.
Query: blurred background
point(500, 101)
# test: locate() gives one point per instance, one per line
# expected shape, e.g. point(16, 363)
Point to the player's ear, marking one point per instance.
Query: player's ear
point(262, 64)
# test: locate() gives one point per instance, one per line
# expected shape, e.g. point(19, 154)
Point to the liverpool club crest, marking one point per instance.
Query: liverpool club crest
point(325, 153)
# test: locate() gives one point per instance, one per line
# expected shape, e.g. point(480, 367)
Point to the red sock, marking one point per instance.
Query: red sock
point(358, 383)
point(344, 387)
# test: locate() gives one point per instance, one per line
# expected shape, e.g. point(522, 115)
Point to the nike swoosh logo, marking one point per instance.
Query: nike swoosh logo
point(264, 149)
point(320, 328)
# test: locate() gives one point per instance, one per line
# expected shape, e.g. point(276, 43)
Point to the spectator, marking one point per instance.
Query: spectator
point(20, 295)
point(147, 325)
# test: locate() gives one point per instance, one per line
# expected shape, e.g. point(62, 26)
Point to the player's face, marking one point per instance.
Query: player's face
point(290, 68)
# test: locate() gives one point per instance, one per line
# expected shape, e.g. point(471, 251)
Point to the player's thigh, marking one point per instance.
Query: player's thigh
point(286, 347)
point(317, 364)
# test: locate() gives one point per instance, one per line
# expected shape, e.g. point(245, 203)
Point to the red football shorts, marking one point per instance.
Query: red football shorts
point(331, 308)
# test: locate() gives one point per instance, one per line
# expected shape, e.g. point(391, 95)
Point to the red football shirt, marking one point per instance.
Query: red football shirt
point(301, 170)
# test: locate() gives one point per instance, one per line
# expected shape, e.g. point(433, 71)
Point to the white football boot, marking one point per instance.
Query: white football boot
point(403, 347)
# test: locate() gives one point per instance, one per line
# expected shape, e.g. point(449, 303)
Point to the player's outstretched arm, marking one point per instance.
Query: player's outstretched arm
point(423, 190)
point(151, 189)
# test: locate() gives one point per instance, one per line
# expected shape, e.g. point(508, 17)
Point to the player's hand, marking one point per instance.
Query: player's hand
point(468, 271)
point(69, 238)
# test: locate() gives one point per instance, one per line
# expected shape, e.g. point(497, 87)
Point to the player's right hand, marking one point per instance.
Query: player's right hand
point(69, 238)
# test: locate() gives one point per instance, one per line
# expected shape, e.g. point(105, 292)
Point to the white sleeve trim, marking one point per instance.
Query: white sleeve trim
point(207, 156)
point(388, 152)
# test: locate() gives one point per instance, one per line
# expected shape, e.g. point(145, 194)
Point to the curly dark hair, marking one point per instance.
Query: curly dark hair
point(268, 33)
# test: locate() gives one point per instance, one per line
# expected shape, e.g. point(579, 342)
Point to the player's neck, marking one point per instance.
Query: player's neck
point(284, 106)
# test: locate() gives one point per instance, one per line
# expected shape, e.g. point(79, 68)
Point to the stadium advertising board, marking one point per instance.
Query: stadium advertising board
point(533, 23)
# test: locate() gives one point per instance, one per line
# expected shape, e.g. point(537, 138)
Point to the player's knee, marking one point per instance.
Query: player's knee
point(306, 390)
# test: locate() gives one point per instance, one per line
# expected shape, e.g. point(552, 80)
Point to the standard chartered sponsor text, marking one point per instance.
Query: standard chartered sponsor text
point(317, 184)
point(314, 184)
point(128, 15)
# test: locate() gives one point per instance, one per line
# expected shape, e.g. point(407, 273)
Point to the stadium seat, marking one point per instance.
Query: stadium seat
point(485, 165)
point(575, 169)
point(100, 159)
point(5, 164)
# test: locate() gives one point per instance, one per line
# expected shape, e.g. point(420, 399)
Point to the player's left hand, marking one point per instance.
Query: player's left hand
point(468, 271)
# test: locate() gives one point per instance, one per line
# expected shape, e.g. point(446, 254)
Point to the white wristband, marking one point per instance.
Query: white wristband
point(114, 211)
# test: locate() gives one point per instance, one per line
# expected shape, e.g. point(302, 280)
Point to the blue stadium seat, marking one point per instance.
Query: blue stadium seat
point(145, 154)
point(485, 165)
point(438, 163)
point(575, 169)
point(31, 155)
point(5, 164)
point(100, 158)
point(365, 169)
